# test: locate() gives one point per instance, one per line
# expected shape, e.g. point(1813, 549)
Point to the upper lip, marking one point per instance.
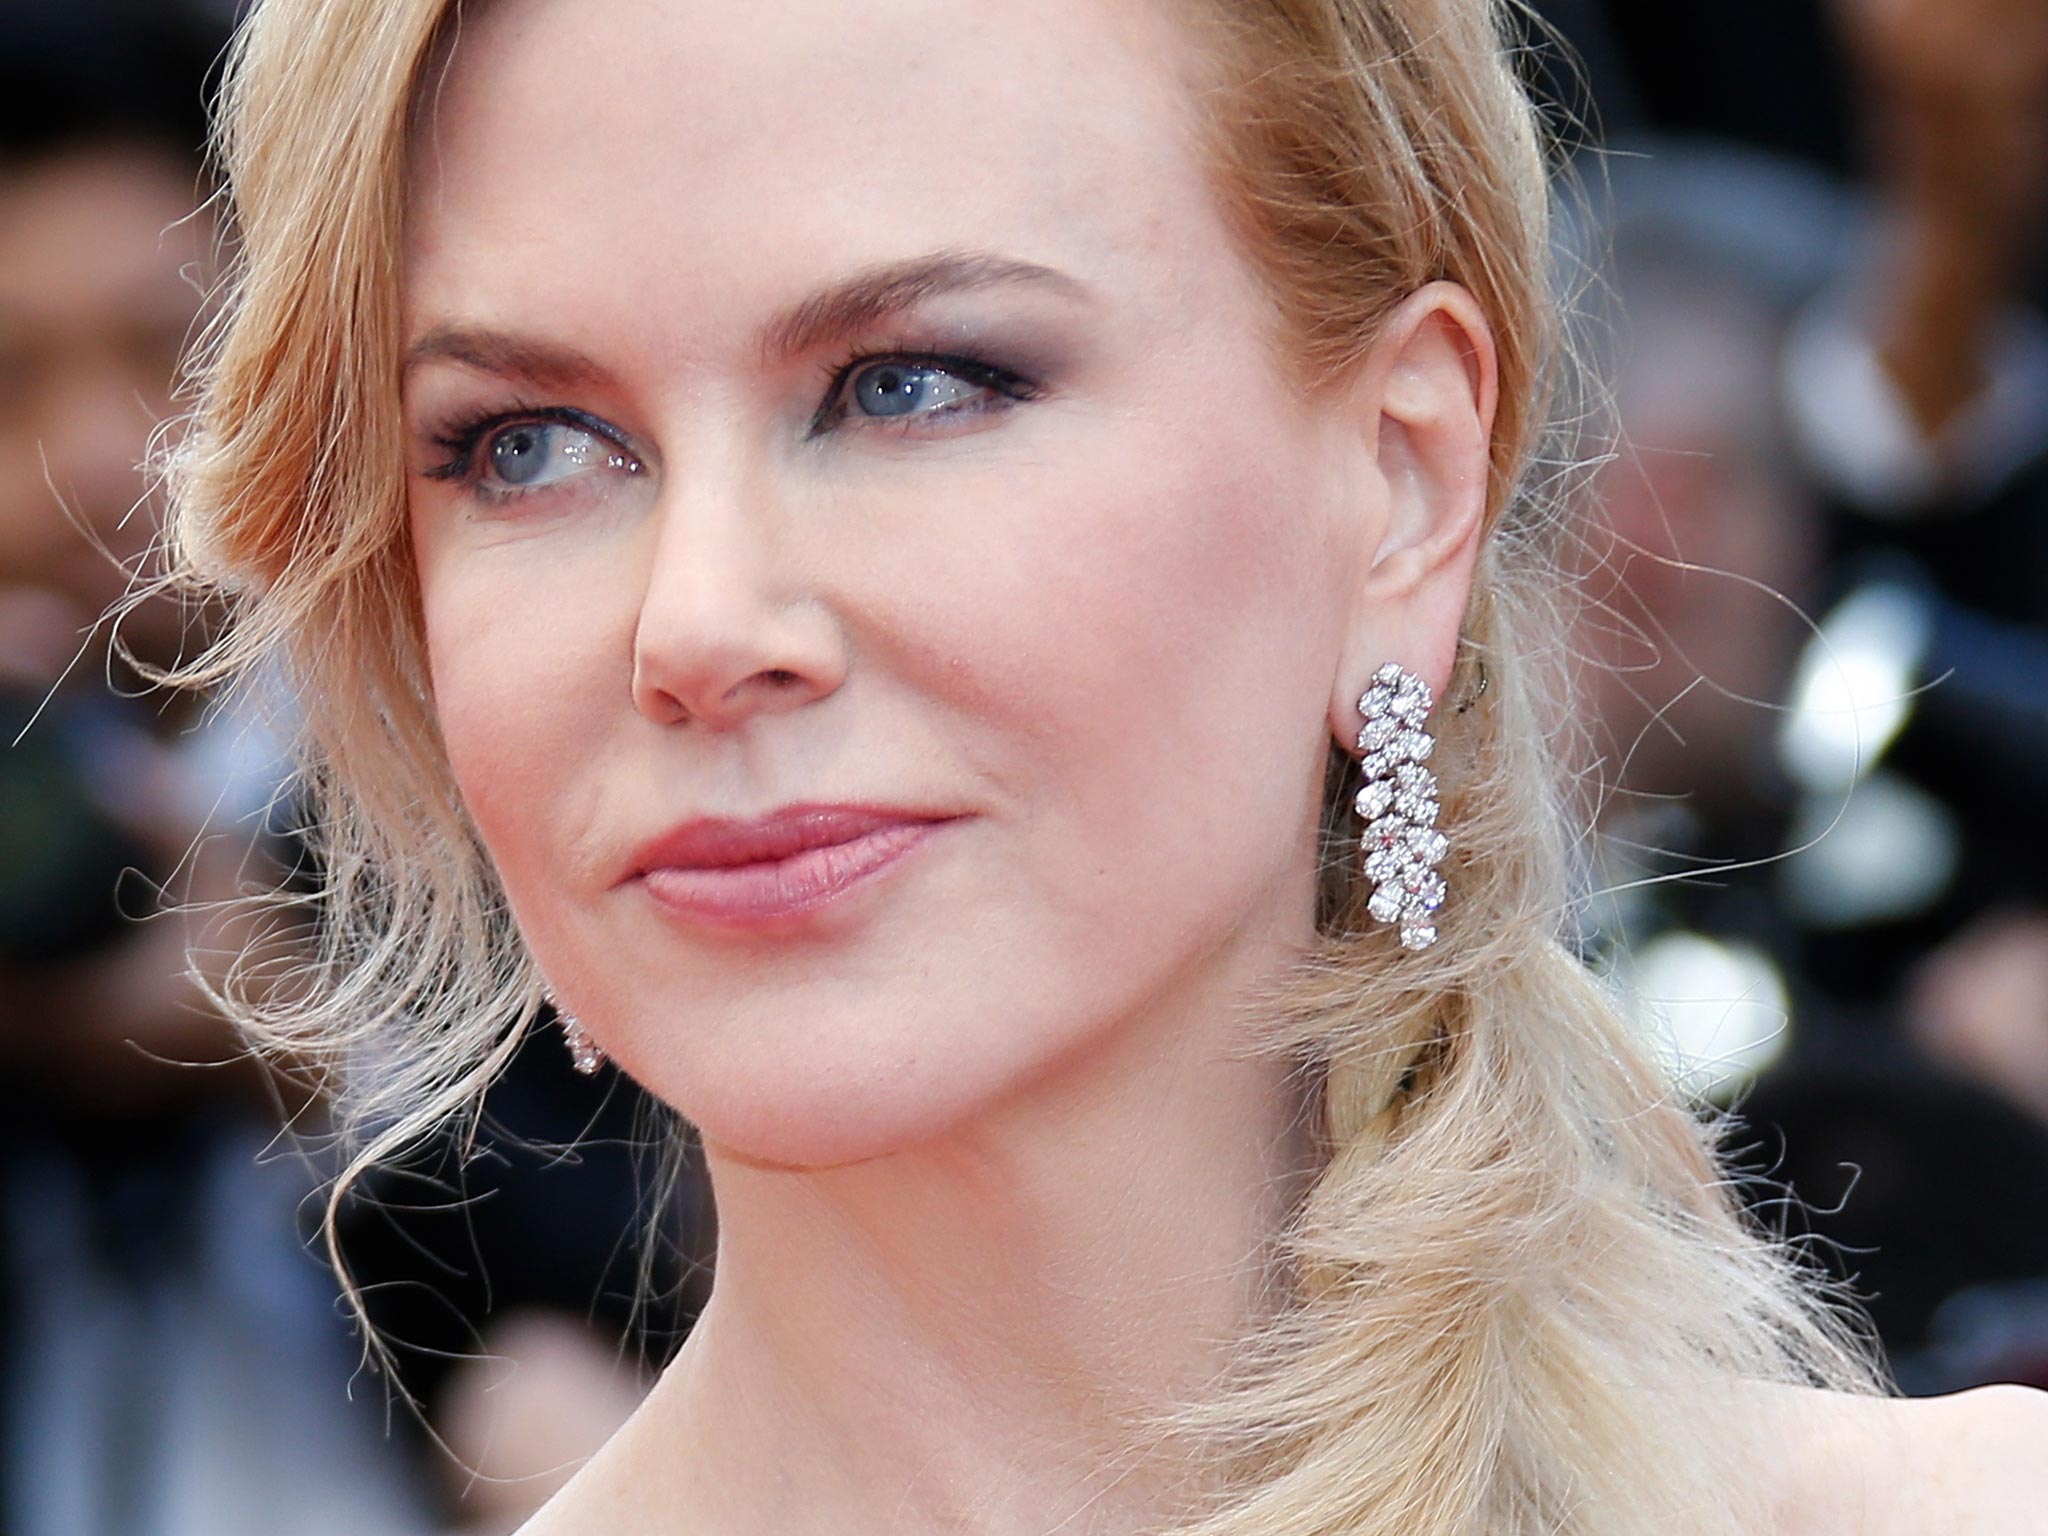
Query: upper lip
point(722, 843)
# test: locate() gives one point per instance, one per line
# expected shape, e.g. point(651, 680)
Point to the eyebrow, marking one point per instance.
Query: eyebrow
point(501, 352)
point(844, 309)
point(869, 297)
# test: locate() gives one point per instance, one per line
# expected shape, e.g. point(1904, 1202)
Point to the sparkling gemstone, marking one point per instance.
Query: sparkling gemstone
point(1399, 803)
point(584, 1053)
point(1374, 800)
point(1416, 808)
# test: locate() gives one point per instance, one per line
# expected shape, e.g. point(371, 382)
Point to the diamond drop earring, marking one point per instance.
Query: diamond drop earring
point(585, 1054)
point(1399, 803)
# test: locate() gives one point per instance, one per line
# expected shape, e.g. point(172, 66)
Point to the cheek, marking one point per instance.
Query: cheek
point(511, 695)
point(1153, 625)
point(1205, 575)
point(1223, 652)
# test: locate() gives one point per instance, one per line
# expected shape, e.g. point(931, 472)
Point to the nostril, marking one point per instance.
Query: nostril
point(782, 678)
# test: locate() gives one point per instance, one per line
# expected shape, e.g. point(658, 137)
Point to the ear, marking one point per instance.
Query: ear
point(1423, 404)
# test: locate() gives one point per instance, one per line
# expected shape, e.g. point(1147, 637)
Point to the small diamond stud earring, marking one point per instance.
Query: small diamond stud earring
point(585, 1054)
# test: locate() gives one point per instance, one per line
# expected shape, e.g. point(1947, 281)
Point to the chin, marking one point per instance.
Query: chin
point(812, 1132)
point(791, 1147)
point(834, 1098)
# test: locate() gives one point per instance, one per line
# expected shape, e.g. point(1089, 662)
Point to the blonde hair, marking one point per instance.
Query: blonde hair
point(1523, 1300)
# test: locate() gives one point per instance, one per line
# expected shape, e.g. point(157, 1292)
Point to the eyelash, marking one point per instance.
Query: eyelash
point(461, 438)
point(1006, 382)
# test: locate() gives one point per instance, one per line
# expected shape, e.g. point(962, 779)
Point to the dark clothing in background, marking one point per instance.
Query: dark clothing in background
point(550, 1211)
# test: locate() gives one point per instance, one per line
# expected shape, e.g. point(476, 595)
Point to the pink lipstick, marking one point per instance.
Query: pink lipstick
point(776, 867)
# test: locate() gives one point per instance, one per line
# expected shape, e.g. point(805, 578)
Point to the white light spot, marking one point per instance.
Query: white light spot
point(1851, 695)
point(1716, 1011)
point(1891, 851)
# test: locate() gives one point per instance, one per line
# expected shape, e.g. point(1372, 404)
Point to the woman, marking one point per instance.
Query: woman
point(856, 548)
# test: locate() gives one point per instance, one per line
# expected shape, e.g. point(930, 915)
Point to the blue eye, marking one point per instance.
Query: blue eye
point(506, 455)
point(526, 455)
point(909, 389)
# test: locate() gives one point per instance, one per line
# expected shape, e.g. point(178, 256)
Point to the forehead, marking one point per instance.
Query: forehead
point(652, 143)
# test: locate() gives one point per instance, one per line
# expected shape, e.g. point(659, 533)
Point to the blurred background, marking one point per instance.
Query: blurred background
point(1814, 646)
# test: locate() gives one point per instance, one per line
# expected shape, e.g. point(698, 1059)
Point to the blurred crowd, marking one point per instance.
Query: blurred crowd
point(173, 1358)
point(1813, 636)
point(1814, 656)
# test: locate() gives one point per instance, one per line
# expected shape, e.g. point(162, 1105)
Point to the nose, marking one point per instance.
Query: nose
point(728, 627)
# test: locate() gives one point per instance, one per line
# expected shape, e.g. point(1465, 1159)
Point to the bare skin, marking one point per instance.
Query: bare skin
point(1965, 1465)
point(995, 1174)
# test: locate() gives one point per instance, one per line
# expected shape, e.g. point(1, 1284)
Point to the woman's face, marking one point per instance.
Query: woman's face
point(854, 426)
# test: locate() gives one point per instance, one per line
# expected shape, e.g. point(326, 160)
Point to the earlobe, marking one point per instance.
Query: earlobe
point(1425, 399)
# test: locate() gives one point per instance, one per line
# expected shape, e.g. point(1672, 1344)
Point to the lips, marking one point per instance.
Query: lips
point(784, 865)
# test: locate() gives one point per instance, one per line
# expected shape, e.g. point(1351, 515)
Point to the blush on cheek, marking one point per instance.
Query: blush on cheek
point(504, 694)
point(499, 782)
point(1197, 577)
point(1174, 628)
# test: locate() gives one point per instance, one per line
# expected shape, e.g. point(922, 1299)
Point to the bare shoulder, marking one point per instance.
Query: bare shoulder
point(1985, 1463)
point(1972, 1464)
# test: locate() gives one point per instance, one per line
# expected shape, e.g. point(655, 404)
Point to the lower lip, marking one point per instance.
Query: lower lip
point(752, 895)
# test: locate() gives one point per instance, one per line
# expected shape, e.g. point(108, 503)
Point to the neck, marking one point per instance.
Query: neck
point(970, 1335)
